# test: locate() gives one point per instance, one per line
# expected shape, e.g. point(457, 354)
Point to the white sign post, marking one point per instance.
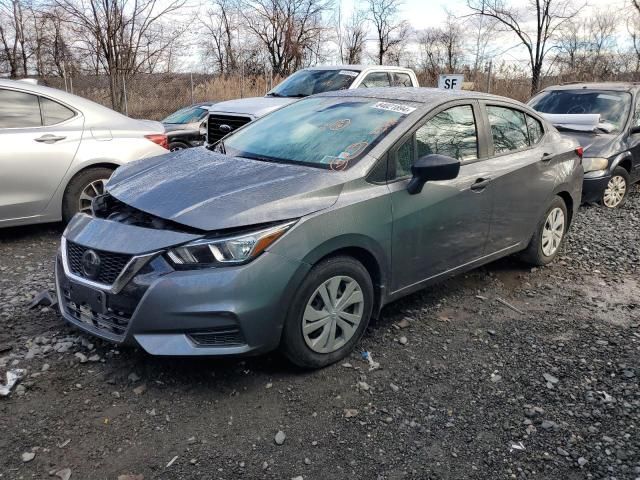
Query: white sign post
point(451, 82)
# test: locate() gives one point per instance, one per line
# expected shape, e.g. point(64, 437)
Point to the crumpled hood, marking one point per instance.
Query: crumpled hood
point(255, 106)
point(210, 191)
point(595, 145)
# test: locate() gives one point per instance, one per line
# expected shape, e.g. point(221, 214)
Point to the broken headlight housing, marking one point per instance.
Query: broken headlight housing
point(591, 164)
point(230, 250)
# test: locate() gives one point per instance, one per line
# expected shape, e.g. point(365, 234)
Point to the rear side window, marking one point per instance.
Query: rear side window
point(452, 133)
point(508, 129)
point(401, 80)
point(535, 130)
point(376, 79)
point(53, 112)
point(19, 110)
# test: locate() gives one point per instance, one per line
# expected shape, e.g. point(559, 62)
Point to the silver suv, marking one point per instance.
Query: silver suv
point(58, 151)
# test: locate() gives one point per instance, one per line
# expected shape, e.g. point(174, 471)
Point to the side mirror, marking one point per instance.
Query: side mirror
point(432, 167)
point(635, 129)
point(202, 130)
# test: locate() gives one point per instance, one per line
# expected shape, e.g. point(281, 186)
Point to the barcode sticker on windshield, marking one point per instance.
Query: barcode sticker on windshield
point(348, 73)
point(394, 107)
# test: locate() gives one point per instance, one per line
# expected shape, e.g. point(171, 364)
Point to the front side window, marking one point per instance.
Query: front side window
point(375, 80)
point(451, 132)
point(309, 82)
point(19, 110)
point(326, 132)
point(54, 113)
point(508, 129)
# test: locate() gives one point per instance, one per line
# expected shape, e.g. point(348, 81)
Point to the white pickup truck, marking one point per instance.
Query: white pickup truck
point(225, 117)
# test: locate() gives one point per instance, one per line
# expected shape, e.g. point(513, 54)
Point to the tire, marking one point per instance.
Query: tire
point(539, 253)
point(175, 146)
point(83, 180)
point(616, 192)
point(308, 302)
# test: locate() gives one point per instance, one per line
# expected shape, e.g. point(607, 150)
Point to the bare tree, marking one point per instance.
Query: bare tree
point(390, 31)
point(221, 26)
point(352, 36)
point(13, 24)
point(549, 17)
point(441, 49)
point(291, 31)
point(125, 36)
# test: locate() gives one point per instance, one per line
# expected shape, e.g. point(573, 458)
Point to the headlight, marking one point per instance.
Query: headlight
point(593, 164)
point(232, 250)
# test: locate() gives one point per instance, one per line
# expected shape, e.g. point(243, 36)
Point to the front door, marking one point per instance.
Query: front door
point(446, 225)
point(39, 139)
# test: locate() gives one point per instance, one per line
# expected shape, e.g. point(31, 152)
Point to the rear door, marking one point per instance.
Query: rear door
point(522, 174)
point(446, 225)
point(634, 142)
point(39, 138)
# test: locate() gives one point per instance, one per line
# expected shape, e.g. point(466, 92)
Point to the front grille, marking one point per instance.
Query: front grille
point(214, 133)
point(221, 338)
point(111, 264)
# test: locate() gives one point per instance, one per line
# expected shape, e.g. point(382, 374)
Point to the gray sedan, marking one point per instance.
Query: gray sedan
point(298, 228)
point(58, 150)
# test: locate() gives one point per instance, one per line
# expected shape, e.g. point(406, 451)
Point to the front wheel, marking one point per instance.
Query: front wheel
point(549, 235)
point(616, 192)
point(81, 191)
point(329, 313)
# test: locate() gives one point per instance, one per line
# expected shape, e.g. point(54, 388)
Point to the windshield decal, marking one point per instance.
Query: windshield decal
point(394, 107)
point(348, 73)
point(337, 124)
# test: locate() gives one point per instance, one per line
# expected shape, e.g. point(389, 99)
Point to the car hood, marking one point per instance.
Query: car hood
point(176, 127)
point(595, 144)
point(255, 106)
point(210, 191)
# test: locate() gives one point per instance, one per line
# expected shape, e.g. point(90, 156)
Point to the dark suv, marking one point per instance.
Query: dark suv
point(605, 119)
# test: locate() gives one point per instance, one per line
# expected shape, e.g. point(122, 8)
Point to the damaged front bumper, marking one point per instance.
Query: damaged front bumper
point(136, 297)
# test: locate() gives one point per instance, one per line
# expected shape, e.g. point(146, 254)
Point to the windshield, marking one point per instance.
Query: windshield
point(329, 132)
point(187, 115)
point(612, 106)
point(308, 82)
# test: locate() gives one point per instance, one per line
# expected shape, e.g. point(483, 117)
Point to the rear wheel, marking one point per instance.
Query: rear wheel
point(549, 235)
point(329, 313)
point(82, 189)
point(616, 192)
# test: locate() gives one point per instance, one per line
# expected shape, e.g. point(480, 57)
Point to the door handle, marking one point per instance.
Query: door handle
point(480, 184)
point(48, 138)
point(546, 157)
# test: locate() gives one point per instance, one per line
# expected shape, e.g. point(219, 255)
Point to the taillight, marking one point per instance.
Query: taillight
point(159, 139)
point(580, 151)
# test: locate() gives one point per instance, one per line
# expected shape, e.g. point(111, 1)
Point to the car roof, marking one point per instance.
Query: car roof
point(360, 68)
point(620, 86)
point(421, 95)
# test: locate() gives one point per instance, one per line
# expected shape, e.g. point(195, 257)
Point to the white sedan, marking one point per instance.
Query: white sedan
point(58, 150)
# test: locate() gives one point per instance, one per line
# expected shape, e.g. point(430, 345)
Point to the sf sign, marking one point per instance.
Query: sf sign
point(451, 82)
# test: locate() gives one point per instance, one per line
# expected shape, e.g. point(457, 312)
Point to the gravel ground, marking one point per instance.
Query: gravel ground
point(505, 372)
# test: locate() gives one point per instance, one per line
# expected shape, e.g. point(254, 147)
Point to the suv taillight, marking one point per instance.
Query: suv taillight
point(159, 139)
point(580, 151)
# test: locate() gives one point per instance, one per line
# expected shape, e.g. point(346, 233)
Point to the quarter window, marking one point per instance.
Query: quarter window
point(376, 79)
point(508, 129)
point(53, 112)
point(535, 130)
point(19, 110)
point(452, 133)
point(406, 157)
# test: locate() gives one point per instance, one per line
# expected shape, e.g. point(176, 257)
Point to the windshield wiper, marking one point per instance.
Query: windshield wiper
point(273, 94)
